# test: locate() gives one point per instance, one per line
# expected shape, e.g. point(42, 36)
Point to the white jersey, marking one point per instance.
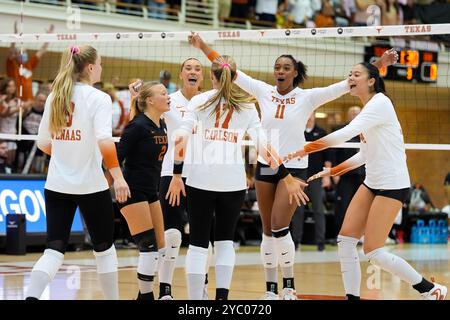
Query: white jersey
point(76, 161)
point(173, 119)
point(284, 117)
point(382, 146)
point(218, 164)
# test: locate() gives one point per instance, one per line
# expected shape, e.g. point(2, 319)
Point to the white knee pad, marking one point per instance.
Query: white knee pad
point(286, 251)
point(49, 263)
point(106, 260)
point(173, 242)
point(196, 258)
point(225, 254)
point(381, 258)
point(347, 250)
point(268, 252)
point(148, 263)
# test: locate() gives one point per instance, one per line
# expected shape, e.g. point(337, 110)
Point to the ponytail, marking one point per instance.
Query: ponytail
point(299, 67)
point(73, 62)
point(375, 73)
point(224, 71)
point(138, 103)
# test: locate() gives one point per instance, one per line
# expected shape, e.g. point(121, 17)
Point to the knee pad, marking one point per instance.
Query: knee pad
point(347, 250)
point(173, 242)
point(147, 265)
point(268, 251)
point(196, 258)
point(106, 260)
point(285, 249)
point(280, 233)
point(225, 254)
point(49, 263)
point(146, 241)
point(380, 258)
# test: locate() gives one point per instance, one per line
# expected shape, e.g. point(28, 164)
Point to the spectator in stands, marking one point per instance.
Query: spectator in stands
point(390, 12)
point(340, 16)
point(4, 157)
point(303, 11)
point(164, 78)
point(317, 161)
point(23, 76)
point(31, 122)
point(240, 9)
point(224, 9)
point(325, 19)
point(418, 199)
point(266, 10)
point(119, 113)
point(347, 184)
point(361, 18)
point(157, 9)
point(9, 111)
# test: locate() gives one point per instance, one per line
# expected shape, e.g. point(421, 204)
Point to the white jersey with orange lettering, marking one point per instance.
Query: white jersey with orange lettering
point(217, 163)
point(382, 146)
point(284, 117)
point(173, 119)
point(76, 161)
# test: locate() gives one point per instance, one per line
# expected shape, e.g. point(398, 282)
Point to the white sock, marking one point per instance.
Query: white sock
point(350, 267)
point(44, 272)
point(167, 263)
point(147, 266)
point(196, 258)
point(395, 265)
point(225, 260)
point(285, 249)
point(269, 258)
point(107, 272)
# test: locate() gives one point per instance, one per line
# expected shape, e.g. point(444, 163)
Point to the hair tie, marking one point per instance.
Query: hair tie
point(73, 51)
point(225, 65)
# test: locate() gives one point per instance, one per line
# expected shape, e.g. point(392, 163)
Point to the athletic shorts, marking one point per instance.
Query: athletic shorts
point(397, 194)
point(139, 196)
point(266, 174)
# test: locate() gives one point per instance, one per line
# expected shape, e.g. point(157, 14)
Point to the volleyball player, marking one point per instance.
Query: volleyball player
point(378, 200)
point(142, 146)
point(216, 182)
point(285, 110)
point(76, 131)
point(191, 75)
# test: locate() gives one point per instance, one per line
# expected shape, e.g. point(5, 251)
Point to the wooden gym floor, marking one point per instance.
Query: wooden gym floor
point(317, 275)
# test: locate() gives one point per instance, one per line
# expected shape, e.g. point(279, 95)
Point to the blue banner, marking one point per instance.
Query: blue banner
point(27, 197)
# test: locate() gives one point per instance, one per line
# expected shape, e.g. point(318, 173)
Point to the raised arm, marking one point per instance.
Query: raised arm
point(247, 83)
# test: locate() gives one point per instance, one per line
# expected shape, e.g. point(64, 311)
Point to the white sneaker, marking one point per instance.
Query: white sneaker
point(269, 295)
point(166, 297)
point(205, 293)
point(289, 294)
point(438, 292)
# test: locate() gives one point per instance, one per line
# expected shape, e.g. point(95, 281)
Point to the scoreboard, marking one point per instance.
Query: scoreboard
point(413, 65)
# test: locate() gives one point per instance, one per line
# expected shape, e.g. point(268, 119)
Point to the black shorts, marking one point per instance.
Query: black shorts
point(266, 174)
point(139, 196)
point(174, 217)
point(397, 194)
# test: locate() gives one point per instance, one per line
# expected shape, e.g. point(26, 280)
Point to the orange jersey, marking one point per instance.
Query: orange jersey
point(22, 77)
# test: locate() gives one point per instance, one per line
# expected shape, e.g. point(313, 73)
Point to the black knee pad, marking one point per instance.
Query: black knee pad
point(280, 233)
point(102, 246)
point(57, 245)
point(146, 241)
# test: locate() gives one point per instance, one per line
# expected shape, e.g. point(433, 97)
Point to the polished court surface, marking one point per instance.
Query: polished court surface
point(317, 274)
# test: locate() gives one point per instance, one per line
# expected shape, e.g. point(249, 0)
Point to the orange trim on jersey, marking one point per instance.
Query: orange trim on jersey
point(315, 146)
point(108, 150)
point(216, 124)
point(342, 168)
point(213, 55)
point(227, 119)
